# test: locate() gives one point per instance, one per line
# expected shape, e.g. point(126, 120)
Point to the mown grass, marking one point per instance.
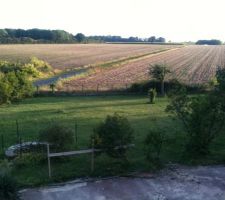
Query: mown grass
point(35, 114)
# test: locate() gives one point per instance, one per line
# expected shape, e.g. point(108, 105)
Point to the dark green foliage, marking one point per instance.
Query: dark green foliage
point(57, 135)
point(209, 42)
point(35, 36)
point(203, 117)
point(8, 188)
point(143, 87)
point(153, 146)
point(113, 135)
point(159, 72)
point(29, 159)
point(152, 95)
point(80, 37)
point(220, 77)
point(8, 185)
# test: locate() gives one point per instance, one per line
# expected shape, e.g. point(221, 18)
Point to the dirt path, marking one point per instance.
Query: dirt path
point(175, 183)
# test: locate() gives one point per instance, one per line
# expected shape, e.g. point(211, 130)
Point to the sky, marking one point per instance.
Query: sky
point(176, 20)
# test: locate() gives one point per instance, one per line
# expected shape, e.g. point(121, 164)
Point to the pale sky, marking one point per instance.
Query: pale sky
point(176, 20)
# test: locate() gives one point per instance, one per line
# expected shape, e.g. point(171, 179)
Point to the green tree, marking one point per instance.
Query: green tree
point(80, 37)
point(203, 118)
point(159, 72)
point(113, 135)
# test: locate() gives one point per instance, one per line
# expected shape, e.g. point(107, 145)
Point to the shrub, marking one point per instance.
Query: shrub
point(58, 135)
point(203, 118)
point(153, 146)
point(152, 95)
point(8, 188)
point(113, 135)
point(143, 87)
point(29, 159)
point(14, 86)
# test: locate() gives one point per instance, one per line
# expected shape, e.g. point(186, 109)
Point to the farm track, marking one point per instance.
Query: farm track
point(191, 64)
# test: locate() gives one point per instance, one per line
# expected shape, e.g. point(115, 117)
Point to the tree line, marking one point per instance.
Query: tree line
point(30, 36)
point(209, 42)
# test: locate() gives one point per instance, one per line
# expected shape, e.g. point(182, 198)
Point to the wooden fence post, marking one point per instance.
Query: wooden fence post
point(2, 142)
point(75, 133)
point(20, 147)
point(93, 155)
point(17, 132)
point(49, 162)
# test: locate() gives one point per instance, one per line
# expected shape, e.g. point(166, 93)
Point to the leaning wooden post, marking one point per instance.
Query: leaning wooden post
point(17, 132)
point(2, 139)
point(75, 132)
point(93, 155)
point(49, 163)
point(20, 147)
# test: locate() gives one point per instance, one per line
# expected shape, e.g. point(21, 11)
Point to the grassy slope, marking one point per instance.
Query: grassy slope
point(34, 114)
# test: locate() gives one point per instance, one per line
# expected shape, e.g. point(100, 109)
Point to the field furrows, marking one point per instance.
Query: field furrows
point(69, 56)
point(192, 64)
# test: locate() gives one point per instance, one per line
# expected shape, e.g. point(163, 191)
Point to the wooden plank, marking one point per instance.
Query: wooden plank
point(70, 153)
point(85, 151)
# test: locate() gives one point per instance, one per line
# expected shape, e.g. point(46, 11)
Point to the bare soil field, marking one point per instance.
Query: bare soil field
point(191, 64)
point(69, 56)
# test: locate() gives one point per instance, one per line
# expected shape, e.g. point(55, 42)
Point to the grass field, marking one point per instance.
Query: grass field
point(37, 113)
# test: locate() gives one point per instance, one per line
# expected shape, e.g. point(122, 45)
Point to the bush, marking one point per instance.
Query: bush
point(14, 86)
point(143, 87)
point(203, 118)
point(113, 135)
point(58, 135)
point(8, 188)
point(153, 146)
point(29, 159)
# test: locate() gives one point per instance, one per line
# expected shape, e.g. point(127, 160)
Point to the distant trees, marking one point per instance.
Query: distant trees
point(80, 37)
point(35, 36)
point(110, 38)
point(8, 36)
point(209, 42)
point(159, 72)
point(154, 39)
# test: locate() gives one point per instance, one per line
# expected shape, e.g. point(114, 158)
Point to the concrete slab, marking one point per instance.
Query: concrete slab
point(175, 183)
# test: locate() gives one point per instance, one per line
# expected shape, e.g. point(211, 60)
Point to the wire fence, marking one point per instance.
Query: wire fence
point(20, 131)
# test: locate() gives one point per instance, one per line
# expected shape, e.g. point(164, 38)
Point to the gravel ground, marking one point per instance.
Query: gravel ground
point(174, 183)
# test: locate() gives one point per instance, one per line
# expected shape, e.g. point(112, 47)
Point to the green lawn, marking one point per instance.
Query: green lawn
point(37, 113)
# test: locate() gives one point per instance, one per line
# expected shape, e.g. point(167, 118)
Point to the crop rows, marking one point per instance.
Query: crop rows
point(70, 56)
point(191, 64)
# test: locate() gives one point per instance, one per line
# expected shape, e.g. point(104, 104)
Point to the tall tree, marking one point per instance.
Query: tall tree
point(159, 72)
